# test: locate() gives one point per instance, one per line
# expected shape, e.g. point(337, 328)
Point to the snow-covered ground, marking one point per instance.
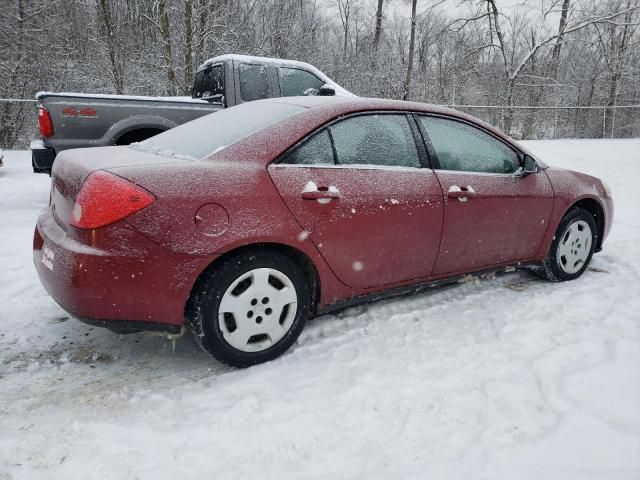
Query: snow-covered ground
point(506, 378)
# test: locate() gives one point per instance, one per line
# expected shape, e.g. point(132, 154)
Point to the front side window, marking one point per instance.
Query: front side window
point(294, 81)
point(209, 83)
point(314, 151)
point(462, 147)
point(384, 140)
point(253, 82)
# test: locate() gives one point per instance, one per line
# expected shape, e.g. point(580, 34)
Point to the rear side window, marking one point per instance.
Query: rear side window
point(294, 81)
point(209, 84)
point(314, 151)
point(253, 82)
point(206, 135)
point(384, 140)
point(462, 147)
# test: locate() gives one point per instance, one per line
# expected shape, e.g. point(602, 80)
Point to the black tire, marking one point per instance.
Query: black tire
point(552, 268)
point(137, 136)
point(202, 313)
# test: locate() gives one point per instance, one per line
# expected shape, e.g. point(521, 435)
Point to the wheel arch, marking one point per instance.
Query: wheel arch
point(596, 209)
point(301, 258)
point(137, 134)
point(133, 123)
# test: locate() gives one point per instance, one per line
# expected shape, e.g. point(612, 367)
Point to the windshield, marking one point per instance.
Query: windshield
point(209, 134)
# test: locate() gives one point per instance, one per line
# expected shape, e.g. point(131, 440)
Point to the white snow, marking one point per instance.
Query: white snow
point(504, 378)
point(104, 96)
point(310, 186)
point(36, 144)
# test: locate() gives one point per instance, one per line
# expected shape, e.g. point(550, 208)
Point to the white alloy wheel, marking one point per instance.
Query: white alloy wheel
point(574, 247)
point(257, 309)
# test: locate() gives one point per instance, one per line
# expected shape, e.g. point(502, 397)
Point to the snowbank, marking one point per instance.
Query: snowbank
point(506, 378)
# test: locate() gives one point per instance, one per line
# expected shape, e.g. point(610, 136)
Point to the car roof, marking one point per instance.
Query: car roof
point(356, 104)
point(255, 59)
point(364, 103)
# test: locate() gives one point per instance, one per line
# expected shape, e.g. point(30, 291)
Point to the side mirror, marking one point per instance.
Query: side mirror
point(326, 91)
point(529, 165)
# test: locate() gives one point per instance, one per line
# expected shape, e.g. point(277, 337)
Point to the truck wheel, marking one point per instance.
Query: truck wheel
point(251, 308)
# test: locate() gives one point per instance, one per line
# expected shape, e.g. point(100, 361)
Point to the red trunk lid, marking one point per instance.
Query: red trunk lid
point(72, 167)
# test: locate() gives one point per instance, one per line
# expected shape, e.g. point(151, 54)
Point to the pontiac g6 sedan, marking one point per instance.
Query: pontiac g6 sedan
point(245, 223)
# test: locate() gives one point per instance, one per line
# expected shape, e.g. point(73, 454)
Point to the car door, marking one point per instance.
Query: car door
point(360, 191)
point(253, 82)
point(295, 81)
point(492, 213)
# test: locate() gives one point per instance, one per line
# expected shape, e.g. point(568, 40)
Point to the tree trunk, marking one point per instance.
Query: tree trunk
point(165, 31)
point(508, 115)
point(412, 44)
point(188, 51)
point(107, 22)
point(376, 36)
point(619, 47)
point(344, 8)
point(555, 56)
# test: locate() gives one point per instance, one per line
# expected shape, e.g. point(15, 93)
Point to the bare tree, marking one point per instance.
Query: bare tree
point(108, 27)
point(376, 35)
point(344, 8)
point(533, 52)
point(412, 44)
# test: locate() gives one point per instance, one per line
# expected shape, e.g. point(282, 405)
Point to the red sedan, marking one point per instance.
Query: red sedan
point(244, 223)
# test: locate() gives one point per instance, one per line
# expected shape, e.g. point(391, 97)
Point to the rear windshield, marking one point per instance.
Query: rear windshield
point(209, 134)
point(209, 84)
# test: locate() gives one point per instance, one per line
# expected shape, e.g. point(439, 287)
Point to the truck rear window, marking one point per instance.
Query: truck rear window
point(209, 84)
point(205, 135)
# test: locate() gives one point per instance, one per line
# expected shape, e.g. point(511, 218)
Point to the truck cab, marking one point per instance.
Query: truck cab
point(234, 79)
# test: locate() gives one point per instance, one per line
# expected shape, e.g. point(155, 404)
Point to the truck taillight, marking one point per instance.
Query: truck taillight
point(44, 122)
point(106, 198)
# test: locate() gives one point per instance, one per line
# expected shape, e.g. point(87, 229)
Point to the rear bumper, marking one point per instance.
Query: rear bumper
point(135, 286)
point(42, 158)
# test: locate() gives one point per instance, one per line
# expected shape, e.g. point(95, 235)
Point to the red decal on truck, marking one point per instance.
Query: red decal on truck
point(87, 112)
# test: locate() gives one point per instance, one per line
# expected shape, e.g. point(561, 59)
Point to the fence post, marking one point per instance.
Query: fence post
point(613, 122)
point(604, 122)
point(555, 125)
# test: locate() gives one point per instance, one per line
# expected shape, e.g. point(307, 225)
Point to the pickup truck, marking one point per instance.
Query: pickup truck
point(77, 120)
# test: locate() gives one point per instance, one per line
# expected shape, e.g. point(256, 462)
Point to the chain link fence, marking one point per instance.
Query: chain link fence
point(550, 122)
point(18, 121)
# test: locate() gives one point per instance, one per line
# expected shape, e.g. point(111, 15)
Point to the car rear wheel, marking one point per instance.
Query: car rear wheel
point(572, 246)
point(251, 308)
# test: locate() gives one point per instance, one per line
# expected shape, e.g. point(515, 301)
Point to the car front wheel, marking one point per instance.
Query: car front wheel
point(251, 308)
point(572, 247)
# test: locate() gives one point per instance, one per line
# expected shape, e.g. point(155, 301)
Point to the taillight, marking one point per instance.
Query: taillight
point(44, 122)
point(106, 198)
